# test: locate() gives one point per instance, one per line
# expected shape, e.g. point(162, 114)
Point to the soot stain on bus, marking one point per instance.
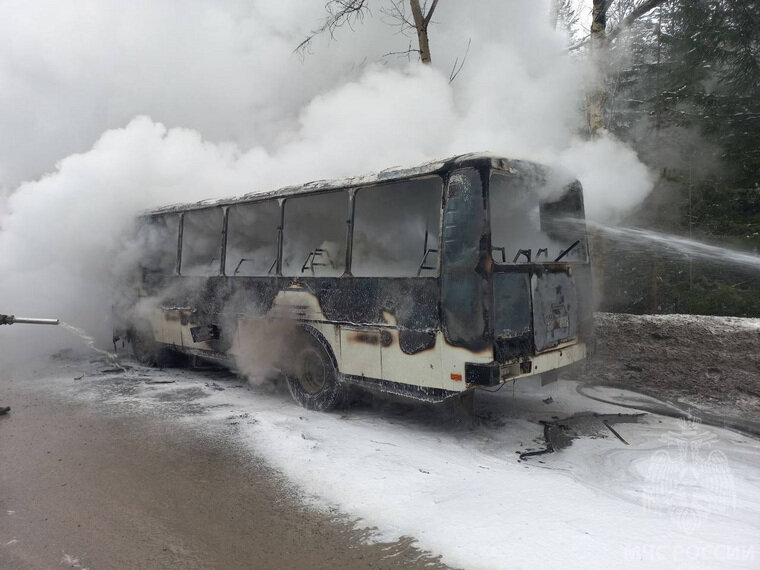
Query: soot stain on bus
point(426, 282)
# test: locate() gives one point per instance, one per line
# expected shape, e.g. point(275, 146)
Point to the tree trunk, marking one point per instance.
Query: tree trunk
point(595, 102)
point(421, 24)
point(596, 97)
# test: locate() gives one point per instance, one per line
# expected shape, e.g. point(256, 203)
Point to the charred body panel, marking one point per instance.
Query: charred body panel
point(465, 279)
point(555, 309)
point(412, 302)
point(513, 332)
point(366, 301)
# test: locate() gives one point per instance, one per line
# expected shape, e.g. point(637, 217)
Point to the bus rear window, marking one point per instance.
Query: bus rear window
point(526, 228)
point(397, 229)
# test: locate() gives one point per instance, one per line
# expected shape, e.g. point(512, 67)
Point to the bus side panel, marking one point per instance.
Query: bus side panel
point(360, 351)
point(169, 331)
point(382, 328)
point(393, 327)
point(388, 326)
point(420, 369)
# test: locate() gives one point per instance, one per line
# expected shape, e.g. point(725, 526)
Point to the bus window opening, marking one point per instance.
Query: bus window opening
point(157, 240)
point(397, 229)
point(201, 242)
point(252, 239)
point(314, 235)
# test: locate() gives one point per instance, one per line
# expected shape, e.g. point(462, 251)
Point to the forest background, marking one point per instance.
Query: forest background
point(682, 87)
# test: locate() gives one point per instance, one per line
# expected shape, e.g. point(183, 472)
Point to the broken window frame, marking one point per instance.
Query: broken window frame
point(139, 231)
point(310, 260)
point(436, 270)
point(275, 267)
point(221, 245)
point(524, 257)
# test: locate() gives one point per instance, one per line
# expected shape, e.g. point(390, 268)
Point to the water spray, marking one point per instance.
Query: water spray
point(88, 340)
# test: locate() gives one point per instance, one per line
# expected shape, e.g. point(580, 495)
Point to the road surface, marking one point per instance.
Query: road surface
point(82, 487)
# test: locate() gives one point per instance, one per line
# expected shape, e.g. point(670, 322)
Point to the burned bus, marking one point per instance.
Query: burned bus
point(427, 282)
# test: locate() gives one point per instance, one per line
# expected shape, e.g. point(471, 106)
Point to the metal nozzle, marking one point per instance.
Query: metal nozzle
point(10, 320)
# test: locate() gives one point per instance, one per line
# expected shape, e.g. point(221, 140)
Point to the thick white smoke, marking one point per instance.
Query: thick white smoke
point(163, 102)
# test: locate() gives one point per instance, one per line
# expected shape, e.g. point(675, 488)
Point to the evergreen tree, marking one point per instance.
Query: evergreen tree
point(686, 94)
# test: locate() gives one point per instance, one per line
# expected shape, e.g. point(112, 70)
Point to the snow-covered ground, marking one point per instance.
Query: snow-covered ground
point(672, 494)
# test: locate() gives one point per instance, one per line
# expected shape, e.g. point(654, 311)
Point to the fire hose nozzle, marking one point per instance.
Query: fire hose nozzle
point(11, 319)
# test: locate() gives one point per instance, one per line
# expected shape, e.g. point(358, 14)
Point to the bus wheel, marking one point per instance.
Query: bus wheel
point(147, 351)
point(313, 380)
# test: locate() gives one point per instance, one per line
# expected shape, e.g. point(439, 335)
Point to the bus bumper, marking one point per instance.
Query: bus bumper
point(495, 373)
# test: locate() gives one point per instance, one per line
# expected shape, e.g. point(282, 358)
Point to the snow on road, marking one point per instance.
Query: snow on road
point(672, 494)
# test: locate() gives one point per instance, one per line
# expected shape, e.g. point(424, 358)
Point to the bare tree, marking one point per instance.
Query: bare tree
point(599, 42)
point(596, 94)
point(348, 12)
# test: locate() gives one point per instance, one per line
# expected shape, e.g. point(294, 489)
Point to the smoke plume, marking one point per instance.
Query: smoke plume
point(112, 108)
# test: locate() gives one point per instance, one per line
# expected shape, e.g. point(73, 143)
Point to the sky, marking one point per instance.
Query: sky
point(110, 108)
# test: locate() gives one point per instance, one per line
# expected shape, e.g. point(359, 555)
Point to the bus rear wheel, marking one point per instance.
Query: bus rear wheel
point(312, 379)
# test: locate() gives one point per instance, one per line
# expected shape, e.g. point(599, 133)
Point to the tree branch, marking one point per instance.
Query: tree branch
point(430, 12)
point(637, 12)
point(340, 12)
point(346, 12)
point(398, 13)
point(406, 52)
point(580, 44)
point(454, 69)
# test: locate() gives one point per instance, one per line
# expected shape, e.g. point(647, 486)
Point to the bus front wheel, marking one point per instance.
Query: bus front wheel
point(147, 350)
point(312, 379)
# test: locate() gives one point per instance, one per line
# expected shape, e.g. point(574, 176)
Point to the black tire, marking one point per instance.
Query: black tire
point(312, 378)
point(148, 351)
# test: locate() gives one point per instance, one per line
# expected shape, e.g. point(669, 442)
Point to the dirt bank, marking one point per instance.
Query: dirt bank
point(711, 363)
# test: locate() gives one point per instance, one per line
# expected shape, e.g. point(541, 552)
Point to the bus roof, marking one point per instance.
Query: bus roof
point(388, 175)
